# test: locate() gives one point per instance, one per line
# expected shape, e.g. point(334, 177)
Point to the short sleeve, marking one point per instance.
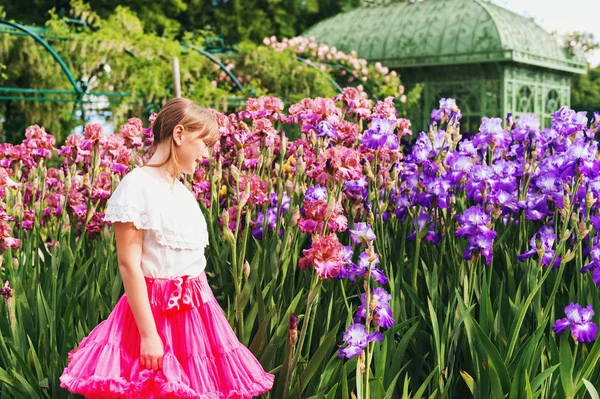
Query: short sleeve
point(128, 203)
point(137, 199)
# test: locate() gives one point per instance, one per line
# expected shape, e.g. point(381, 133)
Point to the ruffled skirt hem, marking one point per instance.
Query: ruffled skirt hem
point(203, 359)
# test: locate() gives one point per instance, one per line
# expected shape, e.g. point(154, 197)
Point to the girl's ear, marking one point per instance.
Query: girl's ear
point(178, 134)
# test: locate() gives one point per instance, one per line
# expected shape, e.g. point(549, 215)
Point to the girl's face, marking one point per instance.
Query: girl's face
point(191, 149)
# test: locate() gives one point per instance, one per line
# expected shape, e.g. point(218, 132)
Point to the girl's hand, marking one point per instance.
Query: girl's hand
point(151, 352)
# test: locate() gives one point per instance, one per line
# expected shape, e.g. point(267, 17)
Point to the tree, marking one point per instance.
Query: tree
point(236, 20)
point(117, 55)
point(583, 43)
point(585, 93)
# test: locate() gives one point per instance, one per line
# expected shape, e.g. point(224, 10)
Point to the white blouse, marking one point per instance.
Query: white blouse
point(175, 232)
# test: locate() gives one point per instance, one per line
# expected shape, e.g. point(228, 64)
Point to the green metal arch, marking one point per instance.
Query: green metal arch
point(79, 91)
point(48, 48)
point(216, 61)
point(332, 80)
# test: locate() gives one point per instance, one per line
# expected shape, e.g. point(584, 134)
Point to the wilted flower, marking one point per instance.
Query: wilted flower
point(6, 291)
point(293, 328)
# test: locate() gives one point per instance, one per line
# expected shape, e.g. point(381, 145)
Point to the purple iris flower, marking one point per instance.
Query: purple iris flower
point(504, 169)
point(258, 231)
point(437, 189)
point(579, 320)
point(379, 275)
point(381, 299)
point(550, 185)
point(356, 189)
point(420, 154)
point(433, 142)
point(542, 240)
point(285, 202)
point(491, 131)
point(566, 121)
point(507, 201)
point(347, 271)
point(324, 129)
point(315, 193)
point(460, 164)
point(447, 108)
point(594, 265)
point(590, 132)
point(526, 126)
point(362, 234)
point(402, 203)
point(535, 206)
point(472, 217)
point(437, 114)
point(424, 222)
point(362, 266)
point(474, 228)
point(466, 147)
point(548, 182)
point(381, 134)
point(357, 339)
point(271, 223)
point(479, 177)
point(582, 149)
point(595, 220)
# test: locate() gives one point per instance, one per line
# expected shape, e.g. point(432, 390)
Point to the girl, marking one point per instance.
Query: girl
point(167, 337)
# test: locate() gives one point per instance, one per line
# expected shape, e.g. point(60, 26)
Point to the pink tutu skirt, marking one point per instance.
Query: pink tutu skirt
point(203, 357)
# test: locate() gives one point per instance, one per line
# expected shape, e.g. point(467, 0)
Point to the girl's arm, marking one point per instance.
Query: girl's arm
point(129, 252)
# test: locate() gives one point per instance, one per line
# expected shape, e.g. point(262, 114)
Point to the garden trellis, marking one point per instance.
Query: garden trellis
point(80, 93)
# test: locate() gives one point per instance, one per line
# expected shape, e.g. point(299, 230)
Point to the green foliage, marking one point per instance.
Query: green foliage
point(237, 20)
point(280, 74)
point(585, 93)
point(120, 55)
point(585, 90)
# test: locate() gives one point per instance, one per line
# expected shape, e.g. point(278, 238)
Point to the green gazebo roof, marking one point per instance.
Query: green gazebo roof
point(443, 32)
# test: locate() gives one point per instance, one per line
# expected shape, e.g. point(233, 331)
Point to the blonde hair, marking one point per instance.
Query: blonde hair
point(184, 112)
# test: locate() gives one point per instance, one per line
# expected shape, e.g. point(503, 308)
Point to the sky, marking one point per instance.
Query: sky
point(561, 16)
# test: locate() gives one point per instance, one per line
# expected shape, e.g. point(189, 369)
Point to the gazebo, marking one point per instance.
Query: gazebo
point(490, 59)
